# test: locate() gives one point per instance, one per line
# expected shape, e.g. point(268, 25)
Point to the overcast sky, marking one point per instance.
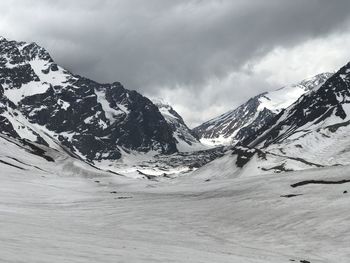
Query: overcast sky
point(203, 56)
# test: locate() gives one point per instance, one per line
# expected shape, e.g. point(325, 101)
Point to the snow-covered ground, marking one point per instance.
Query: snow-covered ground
point(108, 218)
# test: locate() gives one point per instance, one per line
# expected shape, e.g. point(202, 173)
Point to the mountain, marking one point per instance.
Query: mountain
point(186, 139)
point(315, 127)
point(44, 103)
point(247, 119)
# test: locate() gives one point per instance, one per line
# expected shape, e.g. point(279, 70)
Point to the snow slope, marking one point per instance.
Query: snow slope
point(109, 219)
point(28, 158)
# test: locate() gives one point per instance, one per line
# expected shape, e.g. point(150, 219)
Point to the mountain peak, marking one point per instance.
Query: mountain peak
point(161, 102)
point(315, 81)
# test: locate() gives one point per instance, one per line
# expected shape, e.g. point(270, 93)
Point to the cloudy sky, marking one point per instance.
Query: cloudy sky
point(203, 56)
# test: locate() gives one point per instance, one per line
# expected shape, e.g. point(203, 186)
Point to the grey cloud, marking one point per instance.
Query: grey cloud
point(153, 44)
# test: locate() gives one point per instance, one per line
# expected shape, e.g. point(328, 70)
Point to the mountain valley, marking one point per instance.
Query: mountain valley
point(95, 172)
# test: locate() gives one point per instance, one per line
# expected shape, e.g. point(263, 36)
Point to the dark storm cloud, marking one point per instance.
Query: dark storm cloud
point(165, 43)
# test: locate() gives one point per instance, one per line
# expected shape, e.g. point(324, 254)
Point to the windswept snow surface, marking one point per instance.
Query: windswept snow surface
point(97, 218)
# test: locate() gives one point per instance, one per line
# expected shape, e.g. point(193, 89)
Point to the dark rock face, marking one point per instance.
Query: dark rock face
point(93, 120)
point(264, 116)
point(331, 100)
point(5, 126)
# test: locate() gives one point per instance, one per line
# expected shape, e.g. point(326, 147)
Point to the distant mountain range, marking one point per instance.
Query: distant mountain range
point(244, 121)
point(61, 117)
point(313, 132)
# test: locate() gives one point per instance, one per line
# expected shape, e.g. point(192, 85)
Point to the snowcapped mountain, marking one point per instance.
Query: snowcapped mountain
point(247, 119)
point(186, 140)
point(42, 102)
point(315, 127)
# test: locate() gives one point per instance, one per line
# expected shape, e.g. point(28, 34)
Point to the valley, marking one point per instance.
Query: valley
point(95, 172)
point(98, 218)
